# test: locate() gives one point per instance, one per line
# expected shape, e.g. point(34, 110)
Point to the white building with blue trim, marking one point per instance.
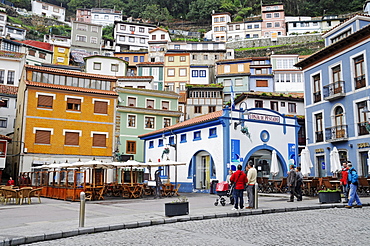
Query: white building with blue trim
point(214, 143)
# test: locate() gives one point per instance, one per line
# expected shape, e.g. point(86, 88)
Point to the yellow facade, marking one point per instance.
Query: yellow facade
point(233, 68)
point(61, 55)
point(177, 68)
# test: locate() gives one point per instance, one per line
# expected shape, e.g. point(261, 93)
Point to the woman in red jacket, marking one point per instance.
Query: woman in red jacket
point(239, 180)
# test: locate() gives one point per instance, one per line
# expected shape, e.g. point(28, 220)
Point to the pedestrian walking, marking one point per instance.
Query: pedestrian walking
point(353, 184)
point(298, 188)
point(252, 178)
point(344, 181)
point(231, 195)
point(292, 183)
point(158, 183)
point(239, 179)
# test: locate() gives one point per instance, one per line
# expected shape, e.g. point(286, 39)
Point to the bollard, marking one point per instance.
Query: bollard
point(82, 209)
point(256, 196)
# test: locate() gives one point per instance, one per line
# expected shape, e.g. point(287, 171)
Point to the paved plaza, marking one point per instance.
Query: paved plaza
point(56, 219)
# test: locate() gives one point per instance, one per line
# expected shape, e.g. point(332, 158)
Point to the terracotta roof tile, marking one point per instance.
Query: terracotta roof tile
point(11, 54)
point(70, 72)
point(158, 28)
point(150, 63)
point(135, 77)
point(38, 44)
point(8, 90)
point(193, 121)
point(71, 88)
point(5, 137)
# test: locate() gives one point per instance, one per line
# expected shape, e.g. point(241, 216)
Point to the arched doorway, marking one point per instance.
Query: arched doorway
point(202, 169)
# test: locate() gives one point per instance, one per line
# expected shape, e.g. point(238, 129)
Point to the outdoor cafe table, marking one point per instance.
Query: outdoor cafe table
point(168, 189)
point(274, 184)
point(336, 183)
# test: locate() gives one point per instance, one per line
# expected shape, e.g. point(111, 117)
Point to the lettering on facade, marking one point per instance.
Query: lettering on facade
point(319, 150)
point(264, 117)
point(363, 145)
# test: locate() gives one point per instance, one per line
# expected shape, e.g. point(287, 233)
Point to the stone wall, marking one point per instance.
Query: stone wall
point(263, 42)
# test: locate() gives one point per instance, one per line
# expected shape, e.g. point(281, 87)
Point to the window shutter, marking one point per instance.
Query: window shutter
point(45, 101)
point(99, 140)
point(100, 107)
point(42, 137)
point(73, 100)
point(71, 138)
point(262, 83)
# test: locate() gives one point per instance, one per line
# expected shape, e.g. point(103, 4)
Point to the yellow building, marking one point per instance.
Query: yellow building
point(133, 58)
point(61, 55)
point(176, 71)
point(63, 115)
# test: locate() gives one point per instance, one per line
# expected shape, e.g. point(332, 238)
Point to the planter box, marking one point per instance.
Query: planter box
point(329, 197)
point(176, 208)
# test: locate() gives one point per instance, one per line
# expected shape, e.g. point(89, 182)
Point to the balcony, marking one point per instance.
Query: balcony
point(334, 91)
point(336, 133)
point(319, 136)
point(317, 96)
point(360, 82)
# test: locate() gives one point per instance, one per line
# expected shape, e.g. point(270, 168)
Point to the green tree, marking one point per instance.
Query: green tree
point(108, 32)
point(200, 10)
point(154, 13)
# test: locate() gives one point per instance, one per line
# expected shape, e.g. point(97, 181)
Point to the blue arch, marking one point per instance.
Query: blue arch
point(192, 167)
point(264, 147)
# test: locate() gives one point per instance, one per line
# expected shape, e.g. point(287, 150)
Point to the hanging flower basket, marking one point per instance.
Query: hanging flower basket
point(165, 152)
point(245, 131)
point(367, 126)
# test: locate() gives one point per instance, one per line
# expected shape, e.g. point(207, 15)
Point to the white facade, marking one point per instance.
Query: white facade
point(131, 36)
point(3, 18)
point(15, 32)
point(48, 10)
point(212, 144)
point(219, 26)
point(302, 25)
point(287, 77)
point(111, 66)
point(105, 17)
point(137, 82)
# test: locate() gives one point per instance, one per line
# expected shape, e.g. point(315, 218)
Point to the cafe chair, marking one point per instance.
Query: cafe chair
point(24, 193)
point(11, 195)
point(175, 191)
point(34, 193)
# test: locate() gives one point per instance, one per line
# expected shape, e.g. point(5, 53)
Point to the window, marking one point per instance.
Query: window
point(237, 27)
point(130, 147)
point(99, 140)
point(182, 86)
point(194, 73)
point(142, 40)
point(274, 106)
point(222, 19)
point(183, 138)
point(277, 24)
point(131, 39)
point(262, 83)
point(216, 19)
point(165, 105)
point(114, 67)
point(100, 107)
point(94, 29)
point(292, 108)
point(97, 66)
point(3, 103)
point(136, 58)
point(202, 73)
point(170, 72)
point(268, 15)
point(94, 40)
point(238, 82)
point(132, 28)
point(44, 101)
point(258, 104)
point(211, 109)
point(74, 104)
point(32, 52)
point(261, 71)
point(10, 80)
point(249, 26)
point(227, 69)
point(3, 122)
point(42, 137)
point(80, 38)
point(359, 64)
point(149, 122)
point(45, 7)
point(362, 119)
point(205, 57)
point(150, 103)
point(71, 138)
point(256, 26)
point(316, 88)
point(160, 142)
point(121, 38)
point(197, 109)
point(131, 120)
point(269, 25)
point(231, 28)
point(182, 58)
point(170, 58)
point(166, 122)
point(141, 29)
point(81, 27)
point(276, 15)
point(194, 57)
point(212, 132)
point(132, 101)
point(240, 67)
point(2, 76)
point(197, 136)
point(176, 47)
point(182, 72)
point(154, 37)
point(319, 136)
point(163, 36)
point(151, 144)
point(141, 58)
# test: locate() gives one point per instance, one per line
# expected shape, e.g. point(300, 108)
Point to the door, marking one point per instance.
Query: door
point(364, 167)
point(339, 123)
point(202, 173)
point(320, 166)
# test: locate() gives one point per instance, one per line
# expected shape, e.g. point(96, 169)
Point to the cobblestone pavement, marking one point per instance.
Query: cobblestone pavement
point(335, 226)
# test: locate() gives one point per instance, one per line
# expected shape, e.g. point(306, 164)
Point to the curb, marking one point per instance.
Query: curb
point(166, 220)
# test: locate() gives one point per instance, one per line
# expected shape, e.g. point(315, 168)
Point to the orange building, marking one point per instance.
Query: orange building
point(63, 115)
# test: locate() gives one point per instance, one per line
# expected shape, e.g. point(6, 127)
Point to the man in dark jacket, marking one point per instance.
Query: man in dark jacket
point(239, 179)
point(292, 183)
point(353, 184)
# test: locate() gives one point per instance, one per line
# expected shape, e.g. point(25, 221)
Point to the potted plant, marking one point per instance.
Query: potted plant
point(329, 196)
point(177, 207)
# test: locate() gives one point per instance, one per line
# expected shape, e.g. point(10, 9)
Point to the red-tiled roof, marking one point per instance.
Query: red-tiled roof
point(8, 90)
point(135, 77)
point(38, 44)
point(158, 28)
point(70, 72)
point(193, 121)
point(5, 53)
point(150, 63)
point(5, 137)
point(71, 88)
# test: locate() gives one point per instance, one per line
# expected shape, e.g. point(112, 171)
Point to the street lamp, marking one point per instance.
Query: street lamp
point(243, 112)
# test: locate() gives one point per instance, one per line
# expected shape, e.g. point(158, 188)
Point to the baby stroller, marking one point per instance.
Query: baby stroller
point(223, 189)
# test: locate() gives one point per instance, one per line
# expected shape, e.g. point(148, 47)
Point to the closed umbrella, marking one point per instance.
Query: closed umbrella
point(306, 163)
point(274, 169)
point(368, 161)
point(334, 161)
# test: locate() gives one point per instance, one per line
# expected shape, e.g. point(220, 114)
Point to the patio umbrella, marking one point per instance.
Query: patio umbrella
point(131, 164)
point(306, 163)
point(334, 161)
point(274, 168)
point(166, 163)
point(368, 161)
